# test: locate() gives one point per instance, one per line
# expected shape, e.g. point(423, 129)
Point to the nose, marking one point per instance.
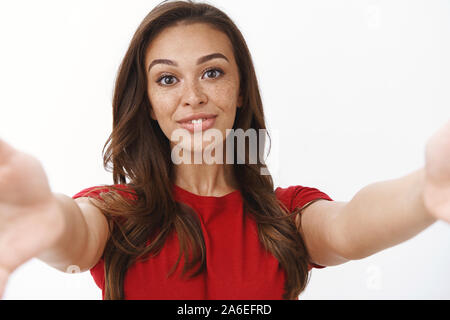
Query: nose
point(193, 94)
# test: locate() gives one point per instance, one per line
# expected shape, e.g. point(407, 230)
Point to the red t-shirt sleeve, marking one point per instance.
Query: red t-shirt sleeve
point(97, 271)
point(97, 190)
point(294, 197)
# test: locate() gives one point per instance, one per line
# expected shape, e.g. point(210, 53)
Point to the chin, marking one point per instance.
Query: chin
point(198, 153)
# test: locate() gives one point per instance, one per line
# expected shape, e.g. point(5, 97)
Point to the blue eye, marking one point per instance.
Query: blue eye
point(167, 80)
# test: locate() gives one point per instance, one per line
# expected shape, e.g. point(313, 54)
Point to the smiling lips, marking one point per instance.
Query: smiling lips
point(198, 122)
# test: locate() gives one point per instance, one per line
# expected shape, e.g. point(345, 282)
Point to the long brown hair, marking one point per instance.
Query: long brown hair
point(138, 151)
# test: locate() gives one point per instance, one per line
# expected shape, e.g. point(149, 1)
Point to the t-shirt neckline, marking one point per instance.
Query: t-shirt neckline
point(185, 194)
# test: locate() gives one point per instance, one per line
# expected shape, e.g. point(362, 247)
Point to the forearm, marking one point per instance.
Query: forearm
point(382, 215)
point(69, 248)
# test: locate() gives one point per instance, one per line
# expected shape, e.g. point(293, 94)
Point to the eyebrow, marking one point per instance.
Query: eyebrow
point(199, 61)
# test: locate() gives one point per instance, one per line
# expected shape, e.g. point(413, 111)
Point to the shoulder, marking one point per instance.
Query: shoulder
point(297, 196)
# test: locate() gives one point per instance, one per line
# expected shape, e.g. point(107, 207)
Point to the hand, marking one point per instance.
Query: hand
point(437, 174)
point(30, 217)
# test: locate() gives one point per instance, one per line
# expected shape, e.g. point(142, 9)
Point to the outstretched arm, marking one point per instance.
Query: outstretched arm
point(382, 214)
point(35, 222)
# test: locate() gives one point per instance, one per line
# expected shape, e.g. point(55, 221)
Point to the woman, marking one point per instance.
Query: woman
point(173, 228)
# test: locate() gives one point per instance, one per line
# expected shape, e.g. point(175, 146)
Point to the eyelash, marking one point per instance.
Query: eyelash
point(220, 71)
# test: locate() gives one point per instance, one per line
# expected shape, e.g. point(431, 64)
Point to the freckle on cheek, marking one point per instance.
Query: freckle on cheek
point(224, 92)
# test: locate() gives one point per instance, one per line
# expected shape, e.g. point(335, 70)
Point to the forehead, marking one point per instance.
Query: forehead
point(188, 42)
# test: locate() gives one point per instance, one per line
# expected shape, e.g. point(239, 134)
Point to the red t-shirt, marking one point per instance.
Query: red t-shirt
point(237, 264)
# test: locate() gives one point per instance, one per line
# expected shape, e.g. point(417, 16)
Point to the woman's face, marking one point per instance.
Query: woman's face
point(192, 73)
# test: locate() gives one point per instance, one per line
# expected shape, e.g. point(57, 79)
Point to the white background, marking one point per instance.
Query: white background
point(352, 90)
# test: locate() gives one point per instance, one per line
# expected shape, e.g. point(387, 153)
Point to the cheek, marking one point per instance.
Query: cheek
point(161, 102)
point(162, 106)
point(225, 96)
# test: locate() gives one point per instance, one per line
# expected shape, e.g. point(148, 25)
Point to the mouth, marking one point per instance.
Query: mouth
point(198, 122)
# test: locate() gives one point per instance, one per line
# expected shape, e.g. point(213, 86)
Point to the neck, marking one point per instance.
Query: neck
point(207, 180)
point(216, 179)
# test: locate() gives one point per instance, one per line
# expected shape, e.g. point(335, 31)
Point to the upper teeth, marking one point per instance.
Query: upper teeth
point(197, 121)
